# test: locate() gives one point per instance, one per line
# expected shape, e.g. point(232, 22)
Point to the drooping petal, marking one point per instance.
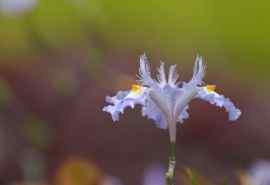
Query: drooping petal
point(145, 73)
point(162, 75)
point(183, 115)
point(182, 98)
point(124, 99)
point(198, 72)
point(151, 111)
point(173, 76)
point(161, 99)
point(220, 101)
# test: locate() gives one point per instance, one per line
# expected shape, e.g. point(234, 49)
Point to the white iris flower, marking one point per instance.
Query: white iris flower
point(166, 100)
point(15, 7)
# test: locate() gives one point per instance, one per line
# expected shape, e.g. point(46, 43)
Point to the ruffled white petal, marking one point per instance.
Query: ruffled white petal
point(122, 100)
point(220, 101)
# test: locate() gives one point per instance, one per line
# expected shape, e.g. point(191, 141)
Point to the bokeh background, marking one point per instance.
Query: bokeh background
point(60, 58)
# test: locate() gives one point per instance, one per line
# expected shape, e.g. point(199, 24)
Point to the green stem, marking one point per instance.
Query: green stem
point(171, 168)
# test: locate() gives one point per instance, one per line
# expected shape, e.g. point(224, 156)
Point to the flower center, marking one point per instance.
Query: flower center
point(136, 88)
point(210, 88)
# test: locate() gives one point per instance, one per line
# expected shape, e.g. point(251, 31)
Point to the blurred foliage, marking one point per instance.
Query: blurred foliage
point(5, 93)
point(37, 132)
point(33, 165)
point(94, 66)
point(193, 178)
point(63, 81)
point(239, 31)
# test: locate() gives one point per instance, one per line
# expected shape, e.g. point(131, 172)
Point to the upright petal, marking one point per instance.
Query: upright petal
point(162, 75)
point(220, 101)
point(144, 72)
point(173, 76)
point(198, 72)
point(124, 99)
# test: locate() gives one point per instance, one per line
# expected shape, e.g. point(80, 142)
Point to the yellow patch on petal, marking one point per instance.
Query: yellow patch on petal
point(136, 88)
point(211, 88)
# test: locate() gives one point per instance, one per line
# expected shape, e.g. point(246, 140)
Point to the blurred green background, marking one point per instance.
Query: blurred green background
point(60, 58)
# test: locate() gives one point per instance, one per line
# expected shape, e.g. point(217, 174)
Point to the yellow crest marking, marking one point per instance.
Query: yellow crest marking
point(136, 88)
point(211, 88)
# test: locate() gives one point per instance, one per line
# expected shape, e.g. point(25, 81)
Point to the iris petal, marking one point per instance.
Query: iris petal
point(145, 73)
point(122, 100)
point(162, 75)
point(183, 115)
point(151, 111)
point(220, 101)
point(173, 76)
point(198, 72)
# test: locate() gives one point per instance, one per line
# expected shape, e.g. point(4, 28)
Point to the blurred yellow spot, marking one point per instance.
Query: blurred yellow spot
point(244, 178)
point(211, 88)
point(189, 172)
point(136, 88)
point(78, 171)
point(31, 183)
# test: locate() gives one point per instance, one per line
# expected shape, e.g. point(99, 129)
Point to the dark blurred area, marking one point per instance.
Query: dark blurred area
point(59, 59)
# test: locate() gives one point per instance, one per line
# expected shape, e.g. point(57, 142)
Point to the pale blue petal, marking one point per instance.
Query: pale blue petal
point(145, 73)
point(121, 101)
point(183, 115)
point(161, 76)
point(151, 111)
point(182, 98)
point(220, 101)
point(173, 76)
point(198, 72)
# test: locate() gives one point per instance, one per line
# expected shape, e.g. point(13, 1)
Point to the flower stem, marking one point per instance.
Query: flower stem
point(171, 168)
